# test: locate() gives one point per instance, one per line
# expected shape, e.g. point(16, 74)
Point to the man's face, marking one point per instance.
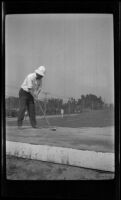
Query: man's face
point(38, 76)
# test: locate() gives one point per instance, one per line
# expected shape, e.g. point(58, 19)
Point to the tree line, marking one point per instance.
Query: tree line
point(53, 106)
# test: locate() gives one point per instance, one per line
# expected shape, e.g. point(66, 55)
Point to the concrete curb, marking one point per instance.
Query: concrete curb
point(68, 156)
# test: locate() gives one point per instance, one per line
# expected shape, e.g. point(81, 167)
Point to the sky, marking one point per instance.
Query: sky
point(76, 49)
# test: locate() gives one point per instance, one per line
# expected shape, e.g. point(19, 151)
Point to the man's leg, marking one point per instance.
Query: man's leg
point(31, 111)
point(22, 109)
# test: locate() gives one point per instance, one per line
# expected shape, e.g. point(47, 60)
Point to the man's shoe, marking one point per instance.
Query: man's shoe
point(35, 126)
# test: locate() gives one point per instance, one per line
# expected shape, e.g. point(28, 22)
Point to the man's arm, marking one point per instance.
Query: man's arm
point(40, 87)
point(38, 92)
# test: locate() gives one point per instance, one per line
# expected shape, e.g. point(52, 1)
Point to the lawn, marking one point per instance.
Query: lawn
point(25, 169)
point(97, 118)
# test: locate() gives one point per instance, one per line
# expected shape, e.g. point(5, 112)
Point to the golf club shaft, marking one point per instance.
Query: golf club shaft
point(44, 114)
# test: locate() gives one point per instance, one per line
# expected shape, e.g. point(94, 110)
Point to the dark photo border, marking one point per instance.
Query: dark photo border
point(102, 189)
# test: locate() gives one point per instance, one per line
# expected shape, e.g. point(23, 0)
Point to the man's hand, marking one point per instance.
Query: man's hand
point(35, 97)
point(34, 94)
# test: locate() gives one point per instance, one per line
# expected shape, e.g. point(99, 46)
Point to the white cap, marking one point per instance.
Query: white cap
point(40, 70)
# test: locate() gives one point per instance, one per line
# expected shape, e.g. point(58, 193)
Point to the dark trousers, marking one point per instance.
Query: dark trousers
point(26, 102)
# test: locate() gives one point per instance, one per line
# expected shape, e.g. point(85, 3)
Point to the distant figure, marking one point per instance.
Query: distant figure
point(62, 112)
point(28, 93)
point(25, 115)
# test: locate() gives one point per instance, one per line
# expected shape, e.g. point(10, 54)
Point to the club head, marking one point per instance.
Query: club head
point(53, 129)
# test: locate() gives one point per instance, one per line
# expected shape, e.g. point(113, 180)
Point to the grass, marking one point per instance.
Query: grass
point(95, 118)
point(25, 169)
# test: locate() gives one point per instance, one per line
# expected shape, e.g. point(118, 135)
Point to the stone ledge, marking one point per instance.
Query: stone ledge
point(68, 156)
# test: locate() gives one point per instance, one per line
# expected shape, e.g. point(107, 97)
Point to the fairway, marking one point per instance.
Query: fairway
point(97, 118)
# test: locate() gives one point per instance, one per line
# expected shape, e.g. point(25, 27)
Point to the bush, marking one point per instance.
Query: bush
point(11, 113)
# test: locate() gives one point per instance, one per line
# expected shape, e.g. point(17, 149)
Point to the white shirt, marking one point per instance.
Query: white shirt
point(30, 82)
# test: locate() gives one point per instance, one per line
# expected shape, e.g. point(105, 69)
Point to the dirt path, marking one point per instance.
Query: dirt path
point(94, 139)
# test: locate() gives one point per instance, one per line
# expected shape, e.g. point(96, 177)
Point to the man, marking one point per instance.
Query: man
point(29, 92)
point(62, 112)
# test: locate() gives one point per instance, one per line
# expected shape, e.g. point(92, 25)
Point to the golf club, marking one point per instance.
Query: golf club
point(48, 123)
